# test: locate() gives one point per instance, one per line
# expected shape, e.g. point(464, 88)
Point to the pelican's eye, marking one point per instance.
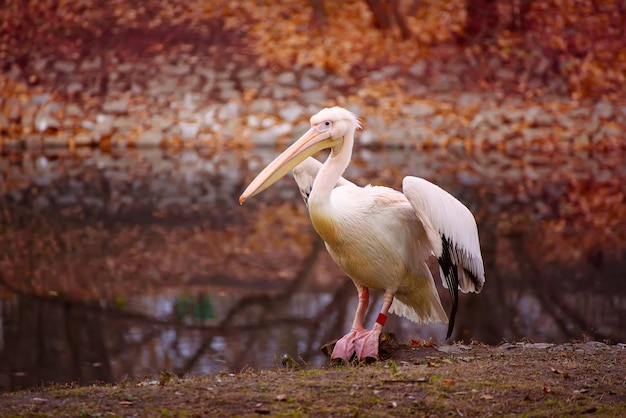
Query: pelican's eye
point(324, 126)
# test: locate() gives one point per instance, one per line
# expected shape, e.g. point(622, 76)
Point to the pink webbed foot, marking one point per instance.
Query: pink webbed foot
point(344, 347)
point(363, 342)
point(366, 343)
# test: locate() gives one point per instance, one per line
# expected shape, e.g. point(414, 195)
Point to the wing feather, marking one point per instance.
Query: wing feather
point(453, 233)
point(455, 226)
point(305, 173)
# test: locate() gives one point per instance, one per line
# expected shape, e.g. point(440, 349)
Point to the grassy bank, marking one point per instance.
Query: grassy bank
point(475, 380)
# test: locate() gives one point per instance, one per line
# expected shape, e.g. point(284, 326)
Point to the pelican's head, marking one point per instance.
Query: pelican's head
point(329, 127)
point(337, 121)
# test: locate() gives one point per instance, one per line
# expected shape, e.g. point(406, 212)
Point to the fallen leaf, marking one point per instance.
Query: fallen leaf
point(557, 371)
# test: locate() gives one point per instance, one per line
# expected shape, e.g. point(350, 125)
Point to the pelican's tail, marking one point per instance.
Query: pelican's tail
point(420, 304)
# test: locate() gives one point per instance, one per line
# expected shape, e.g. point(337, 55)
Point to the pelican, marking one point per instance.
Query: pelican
point(380, 237)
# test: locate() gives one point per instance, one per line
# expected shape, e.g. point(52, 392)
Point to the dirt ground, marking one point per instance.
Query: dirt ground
point(419, 379)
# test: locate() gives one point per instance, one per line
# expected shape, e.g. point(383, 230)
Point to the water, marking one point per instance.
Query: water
point(117, 266)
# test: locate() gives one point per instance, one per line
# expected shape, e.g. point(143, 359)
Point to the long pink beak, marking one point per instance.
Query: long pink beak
point(311, 142)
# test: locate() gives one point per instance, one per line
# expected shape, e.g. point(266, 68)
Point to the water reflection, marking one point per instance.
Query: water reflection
point(125, 265)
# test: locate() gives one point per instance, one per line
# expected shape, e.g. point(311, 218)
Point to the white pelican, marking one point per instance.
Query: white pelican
point(380, 237)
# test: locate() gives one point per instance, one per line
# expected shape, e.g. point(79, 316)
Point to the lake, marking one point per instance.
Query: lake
point(126, 263)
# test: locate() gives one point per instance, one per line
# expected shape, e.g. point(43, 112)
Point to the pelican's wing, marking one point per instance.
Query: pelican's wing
point(452, 231)
point(305, 173)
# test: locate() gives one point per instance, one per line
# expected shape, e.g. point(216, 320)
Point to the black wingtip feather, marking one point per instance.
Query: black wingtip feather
point(478, 285)
point(454, 295)
point(451, 275)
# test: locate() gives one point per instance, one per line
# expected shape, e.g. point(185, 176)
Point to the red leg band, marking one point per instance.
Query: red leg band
point(382, 318)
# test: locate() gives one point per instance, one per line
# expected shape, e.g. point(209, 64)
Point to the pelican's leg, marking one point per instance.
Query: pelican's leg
point(344, 348)
point(366, 343)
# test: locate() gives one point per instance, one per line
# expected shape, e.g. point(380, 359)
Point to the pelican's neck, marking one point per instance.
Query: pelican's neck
point(330, 172)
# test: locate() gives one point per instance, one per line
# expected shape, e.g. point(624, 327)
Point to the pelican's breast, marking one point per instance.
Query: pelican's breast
point(367, 232)
point(325, 225)
point(331, 219)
